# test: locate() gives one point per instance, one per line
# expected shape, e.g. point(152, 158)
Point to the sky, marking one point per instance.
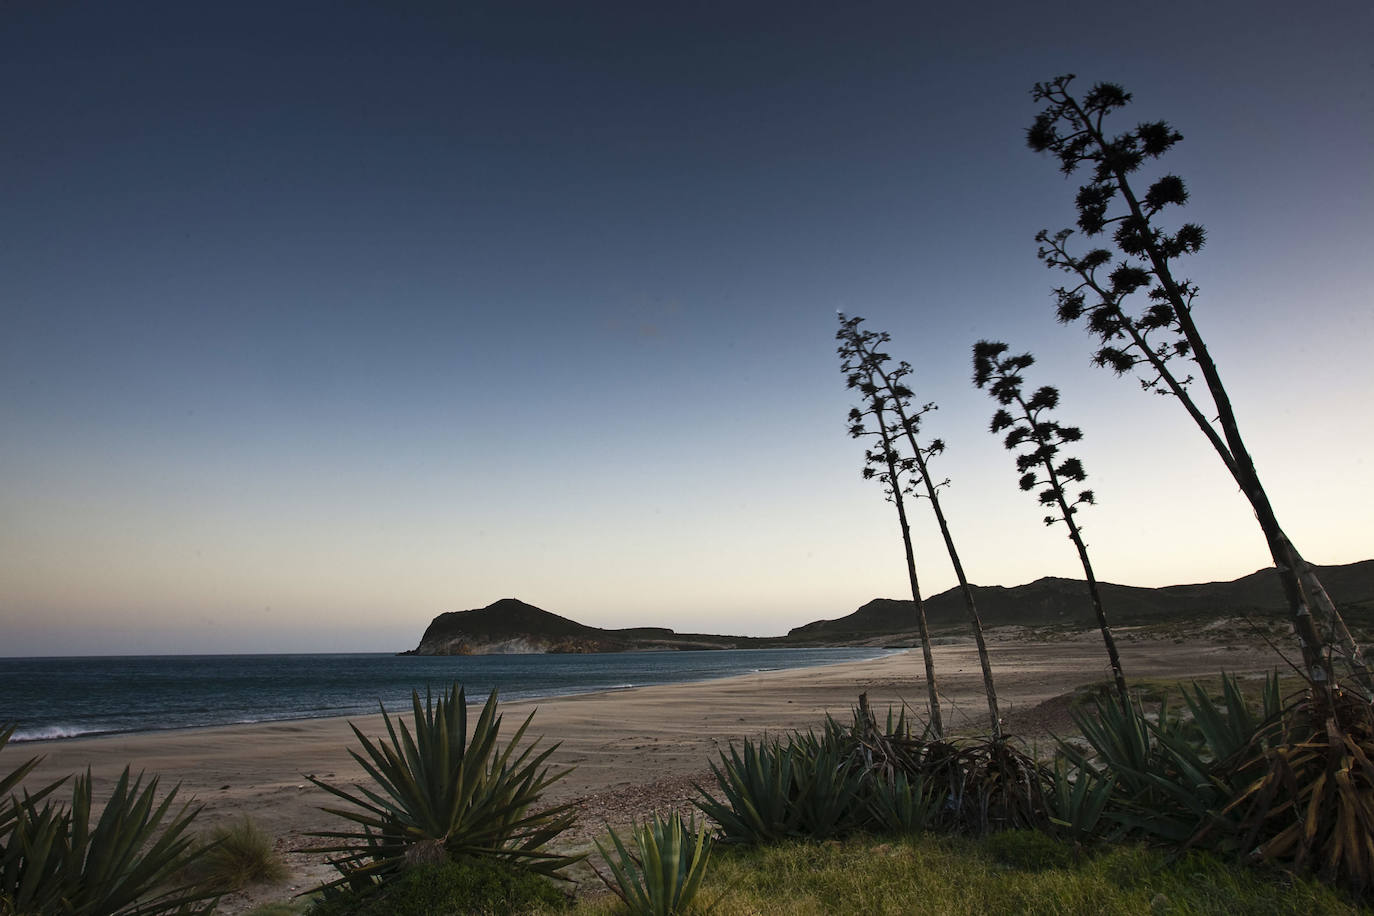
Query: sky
point(320, 319)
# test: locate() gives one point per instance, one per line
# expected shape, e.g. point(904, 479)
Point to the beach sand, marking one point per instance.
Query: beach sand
point(632, 750)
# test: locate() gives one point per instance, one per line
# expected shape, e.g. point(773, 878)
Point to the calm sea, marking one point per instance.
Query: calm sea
point(51, 698)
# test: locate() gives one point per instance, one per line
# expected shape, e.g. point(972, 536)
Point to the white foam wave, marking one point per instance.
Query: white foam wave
point(53, 732)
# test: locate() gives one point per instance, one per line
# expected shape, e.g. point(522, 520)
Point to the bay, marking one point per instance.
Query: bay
point(56, 698)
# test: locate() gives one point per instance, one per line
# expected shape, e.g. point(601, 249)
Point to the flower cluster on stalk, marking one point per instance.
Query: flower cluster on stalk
point(1030, 432)
point(1072, 130)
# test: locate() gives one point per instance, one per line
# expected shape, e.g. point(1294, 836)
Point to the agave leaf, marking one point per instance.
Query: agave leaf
point(661, 875)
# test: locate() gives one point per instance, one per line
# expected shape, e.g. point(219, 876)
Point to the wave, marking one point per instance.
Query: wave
point(52, 732)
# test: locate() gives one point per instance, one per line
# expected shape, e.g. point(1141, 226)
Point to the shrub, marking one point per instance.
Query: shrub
point(237, 855)
point(662, 874)
point(1075, 800)
point(1289, 784)
point(863, 777)
point(9, 805)
point(903, 804)
point(1313, 806)
point(456, 888)
point(53, 859)
point(805, 787)
point(441, 795)
point(985, 785)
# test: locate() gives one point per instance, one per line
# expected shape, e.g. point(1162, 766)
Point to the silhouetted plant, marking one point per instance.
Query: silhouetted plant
point(1037, 439)
point(858, 349)
point(441, 794)
point(57, 858)
point(1141, 314)
point(886, 463)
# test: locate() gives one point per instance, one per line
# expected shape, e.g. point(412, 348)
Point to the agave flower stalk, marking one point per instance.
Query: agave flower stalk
point(1030, 427)
point(860, 349)
point(1155, 338)
point(892, 469)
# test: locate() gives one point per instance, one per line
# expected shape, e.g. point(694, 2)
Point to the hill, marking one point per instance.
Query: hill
point(510, 627)
point(1054, 600)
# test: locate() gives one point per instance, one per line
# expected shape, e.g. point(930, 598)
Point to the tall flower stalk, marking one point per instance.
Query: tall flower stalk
point(1037, 440)
point(878, 420)
point(859, 350)
point(1154, 338)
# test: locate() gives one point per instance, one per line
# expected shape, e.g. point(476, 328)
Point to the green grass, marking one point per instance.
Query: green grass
point(1012, 873)
point(471, 887)
point(280, 909)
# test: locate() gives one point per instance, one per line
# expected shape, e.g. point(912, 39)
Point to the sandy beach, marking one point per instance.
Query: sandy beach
point(637, 749)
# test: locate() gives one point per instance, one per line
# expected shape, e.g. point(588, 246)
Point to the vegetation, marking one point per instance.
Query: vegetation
point(1011, 872)
point(1152, 339)
point(661, 875)
point(1030, 427)
point(55, 859)
point(1143, 811)
point(465, 887)
point(863, 777)
point(1269, 781)
point(868, 370)
point(442, 796)
point(890, 467)
point(237, 855)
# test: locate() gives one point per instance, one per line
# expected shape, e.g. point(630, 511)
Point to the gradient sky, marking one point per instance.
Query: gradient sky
point(319, 319)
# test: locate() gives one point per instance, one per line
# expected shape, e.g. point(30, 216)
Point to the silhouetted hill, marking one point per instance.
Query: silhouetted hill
point(511, 626)
point(1053, 600)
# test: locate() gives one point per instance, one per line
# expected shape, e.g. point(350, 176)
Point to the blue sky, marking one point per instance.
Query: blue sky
point(321, 319)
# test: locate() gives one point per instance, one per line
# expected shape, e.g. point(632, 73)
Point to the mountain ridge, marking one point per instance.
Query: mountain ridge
point(511, 626)
point(1055, 600)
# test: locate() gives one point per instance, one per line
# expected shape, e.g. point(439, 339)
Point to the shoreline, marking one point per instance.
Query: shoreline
point(59, 732)
point(631, 750)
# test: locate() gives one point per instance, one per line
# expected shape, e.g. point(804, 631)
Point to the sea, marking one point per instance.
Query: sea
point(66, 698)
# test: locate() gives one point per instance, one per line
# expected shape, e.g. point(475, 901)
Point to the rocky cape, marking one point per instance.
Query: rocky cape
point(511, 626)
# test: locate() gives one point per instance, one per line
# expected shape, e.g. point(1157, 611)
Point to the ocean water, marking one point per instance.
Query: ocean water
point(54, 698)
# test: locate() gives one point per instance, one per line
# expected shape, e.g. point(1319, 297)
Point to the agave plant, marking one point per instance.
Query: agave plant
point(54, 859)
point(9, 805)
point(1312, 806)
point(1172, 777)
point(441, 794)
point(808, 786)
point(1075, 800)
point(902, 804)
point(662, 874)
point(756, 785)
point(984, 785)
